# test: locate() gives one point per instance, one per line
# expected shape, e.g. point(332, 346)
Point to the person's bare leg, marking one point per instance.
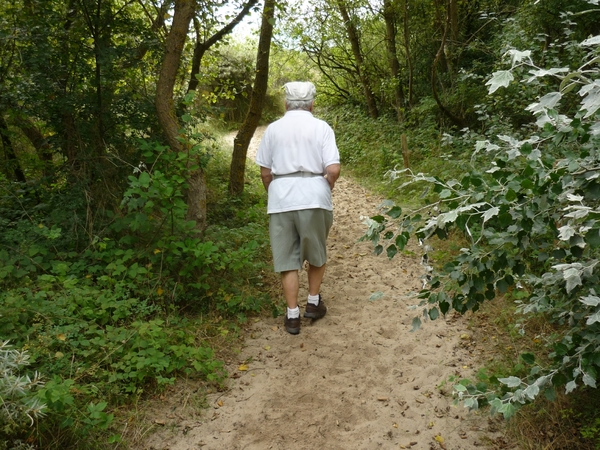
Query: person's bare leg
point(315, 277)
point(289, 280)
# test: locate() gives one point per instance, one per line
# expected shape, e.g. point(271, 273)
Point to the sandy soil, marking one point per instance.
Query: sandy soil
point(356, 379)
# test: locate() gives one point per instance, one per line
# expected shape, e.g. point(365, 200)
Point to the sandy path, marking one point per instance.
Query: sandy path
point(356, 379)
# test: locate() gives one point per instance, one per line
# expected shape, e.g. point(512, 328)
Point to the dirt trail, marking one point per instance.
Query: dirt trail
point(356, 379)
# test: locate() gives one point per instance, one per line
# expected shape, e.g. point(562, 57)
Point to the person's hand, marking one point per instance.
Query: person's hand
point(330, 182)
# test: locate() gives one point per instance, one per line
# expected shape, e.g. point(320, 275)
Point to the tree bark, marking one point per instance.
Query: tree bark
point(356, 51)
point(165, 107)
point(458, 121)
point(408, 54)
point(259, 91)
point(202, 47)
point(389, 15)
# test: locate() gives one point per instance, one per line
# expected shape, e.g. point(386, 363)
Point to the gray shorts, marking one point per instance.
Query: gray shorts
point(298, 236)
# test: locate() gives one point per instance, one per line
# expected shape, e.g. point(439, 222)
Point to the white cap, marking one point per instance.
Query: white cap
point(299, 90)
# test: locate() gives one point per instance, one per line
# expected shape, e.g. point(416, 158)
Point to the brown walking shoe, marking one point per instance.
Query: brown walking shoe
point(315, 312)
point(292, 326)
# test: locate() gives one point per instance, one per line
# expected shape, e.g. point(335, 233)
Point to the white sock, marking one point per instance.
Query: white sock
point(293, 313)
point(313, 299)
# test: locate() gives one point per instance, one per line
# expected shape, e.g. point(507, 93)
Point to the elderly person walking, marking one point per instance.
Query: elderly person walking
point(299, 165)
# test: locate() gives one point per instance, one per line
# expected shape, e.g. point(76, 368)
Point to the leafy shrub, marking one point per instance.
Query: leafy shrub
point(100, 309)
point(20, 407)
point(532, 222)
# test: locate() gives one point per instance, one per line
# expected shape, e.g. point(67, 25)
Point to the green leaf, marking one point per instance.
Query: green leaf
point(507, 410)
point(434, 313)
point(186, 118)
point(378, 250)
point(526, 148)
point(502, 286)
point(416, 324)
point(401, 241)
point(395, 212)
point(144, 179)
point(592, 238)
point(529, 358)
point(391, 251)
point(511, 195)
point(444, 307)
point(550, 394)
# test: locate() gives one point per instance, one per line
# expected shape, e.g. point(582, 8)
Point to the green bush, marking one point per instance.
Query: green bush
point(110, 312)
point(530, 222)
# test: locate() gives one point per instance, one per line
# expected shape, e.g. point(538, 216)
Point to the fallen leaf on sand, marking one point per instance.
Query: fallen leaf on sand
point(243, 367)
point(430, 425)
point(267, 347)
point(382, 399)
point(220, 403)
point(159, 422)
point(440, 440)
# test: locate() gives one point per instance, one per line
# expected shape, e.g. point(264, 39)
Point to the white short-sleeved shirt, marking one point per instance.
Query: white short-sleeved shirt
point(298, 142)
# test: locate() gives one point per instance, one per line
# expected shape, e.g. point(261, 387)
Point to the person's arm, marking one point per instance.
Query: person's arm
point(266, 176)
point(333, 173)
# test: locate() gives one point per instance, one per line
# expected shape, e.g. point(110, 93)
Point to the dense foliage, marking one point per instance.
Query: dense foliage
point(105, 280)
point(528, 208)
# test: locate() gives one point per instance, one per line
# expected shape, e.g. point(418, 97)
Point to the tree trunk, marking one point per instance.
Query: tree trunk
point(389, 16)
point(356, 51)
point(408, 54)
point(39, 142)
point(11, 157)
point(259, 91)
point(458, 121)
point(202, 47)
point(165, 107)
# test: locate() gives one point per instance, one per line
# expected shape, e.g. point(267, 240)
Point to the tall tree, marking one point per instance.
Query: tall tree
point(259, 91)
point(165, 107)
point(456, 120)
point(407, 51)
point(389, 16)
point(353, 37)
